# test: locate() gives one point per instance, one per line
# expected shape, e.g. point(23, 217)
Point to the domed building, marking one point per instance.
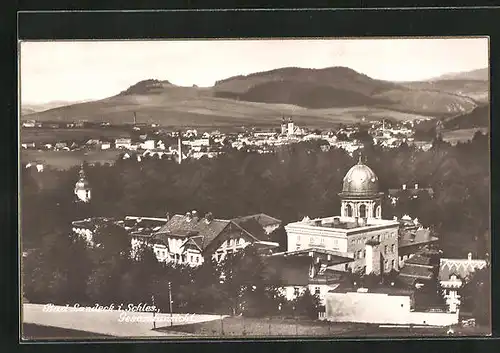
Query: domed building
point(359, 234)
point(82, 188)
point(360, 193)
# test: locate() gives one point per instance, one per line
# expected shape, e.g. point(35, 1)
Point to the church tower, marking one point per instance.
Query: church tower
point(82, 188)
point(360, 193)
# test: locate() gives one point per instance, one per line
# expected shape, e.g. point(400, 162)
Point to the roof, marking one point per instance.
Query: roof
point(253, 227)
point(263, 219)
point(411, 237)
point(416, 271)
point(335, 256)
point(463, 268)
point(183, 227)
point(419, 259)
point(376, 290)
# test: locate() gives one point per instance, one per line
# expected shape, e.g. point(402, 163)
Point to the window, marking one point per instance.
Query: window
point(362, 211)
point(393, 247)
point(183, 258)
point(386, 249)
point(392, 264)
point(364, 253)
point(322, 240)
point(192, 258)
point(346, 267)
point(317, 290)
point(386, 264)
point(197, 259)
point(348, 211)
point(230, 242)
point(240, 241)
point(296, 291)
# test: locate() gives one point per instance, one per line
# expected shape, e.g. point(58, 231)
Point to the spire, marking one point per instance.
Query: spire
point(81, 172)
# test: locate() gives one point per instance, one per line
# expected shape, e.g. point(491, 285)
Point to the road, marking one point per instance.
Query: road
point(109, 322)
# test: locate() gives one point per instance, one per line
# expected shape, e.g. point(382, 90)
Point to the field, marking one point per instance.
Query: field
point(66, 159)
point(461, 135)
point(54, 135)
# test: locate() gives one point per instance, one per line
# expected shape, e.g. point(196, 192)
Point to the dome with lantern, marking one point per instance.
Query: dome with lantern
point(360, 181)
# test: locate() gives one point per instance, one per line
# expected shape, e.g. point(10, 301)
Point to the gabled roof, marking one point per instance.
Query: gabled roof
point(205, 231)
point(251, 226)
point(463, 268)
point(263, 219)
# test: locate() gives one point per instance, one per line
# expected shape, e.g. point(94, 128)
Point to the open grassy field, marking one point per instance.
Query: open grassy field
point(231, 327)
point(66, 159)
point(461, 135)
point(54, 135)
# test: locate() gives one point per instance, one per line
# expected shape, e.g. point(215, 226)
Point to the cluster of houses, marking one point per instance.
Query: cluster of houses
point(320, 253)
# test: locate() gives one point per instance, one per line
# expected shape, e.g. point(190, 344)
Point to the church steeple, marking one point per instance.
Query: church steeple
point(82, 187)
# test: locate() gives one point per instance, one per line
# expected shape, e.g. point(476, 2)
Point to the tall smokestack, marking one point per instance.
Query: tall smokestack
point(135, 118)
point(180, 149)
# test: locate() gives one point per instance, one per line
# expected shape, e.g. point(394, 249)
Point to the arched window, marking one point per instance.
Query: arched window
point(362, 211)
point(379, 212)
point(375, 212)
point(348, 210)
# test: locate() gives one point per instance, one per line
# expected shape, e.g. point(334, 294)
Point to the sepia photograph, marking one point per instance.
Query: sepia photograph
point(254, 188)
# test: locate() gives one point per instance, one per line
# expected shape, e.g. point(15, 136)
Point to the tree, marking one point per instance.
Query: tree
point(476, 296)
point(307, 304)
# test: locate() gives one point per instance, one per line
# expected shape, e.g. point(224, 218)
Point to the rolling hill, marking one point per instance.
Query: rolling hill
point(313, 96)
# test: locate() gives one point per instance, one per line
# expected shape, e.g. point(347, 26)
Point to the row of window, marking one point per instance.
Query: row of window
point(177, 257)
point(381, 237)
point(316, 240)
point(231, 242)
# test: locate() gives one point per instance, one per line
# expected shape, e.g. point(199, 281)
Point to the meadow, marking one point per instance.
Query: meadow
point(461, 135)
point(53, 135)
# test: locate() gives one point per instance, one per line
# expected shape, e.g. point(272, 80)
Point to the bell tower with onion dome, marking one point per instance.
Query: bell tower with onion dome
point(82, 187)
point(360, 196)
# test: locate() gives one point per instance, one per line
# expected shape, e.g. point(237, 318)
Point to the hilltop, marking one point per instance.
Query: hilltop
point(312, 96)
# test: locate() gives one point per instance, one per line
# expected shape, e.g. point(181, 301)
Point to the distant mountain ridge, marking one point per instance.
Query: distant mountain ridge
point(337, 94)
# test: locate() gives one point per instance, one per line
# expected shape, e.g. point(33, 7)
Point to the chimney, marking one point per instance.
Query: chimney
point(404, 186)
point(395, 218)
point(372, 260)
point(336, 221)
point(209, 217)
point(416, 186)
point(167, 215)
point(469, 256)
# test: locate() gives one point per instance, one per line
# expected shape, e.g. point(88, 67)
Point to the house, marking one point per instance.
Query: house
point(412, 239)
point(453, 274)
point(60, 145)
point(380, 305)
point(86, 228)
point(148, 145)
point(28, 145)
point(419, 269)
point(28, 124)
point(191, 239)
point(123, 143)
point(309, 270)
point(105, 146)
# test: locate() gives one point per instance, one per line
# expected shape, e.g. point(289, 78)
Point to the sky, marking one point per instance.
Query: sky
point(87, 70)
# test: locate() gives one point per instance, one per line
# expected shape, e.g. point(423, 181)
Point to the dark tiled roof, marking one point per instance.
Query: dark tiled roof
point(179, 226)
point(253, 227)
point(420, 236)
point(263, 219)
point(415, 271)
point(462, 268)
